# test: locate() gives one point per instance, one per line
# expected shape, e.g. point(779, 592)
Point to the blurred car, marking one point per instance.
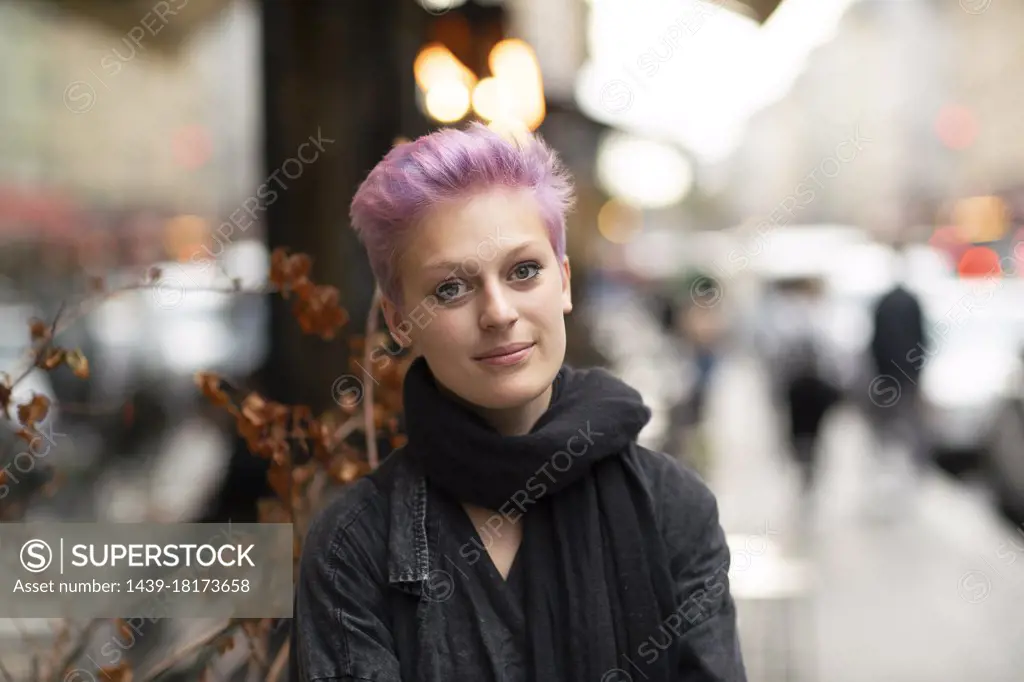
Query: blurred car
point(1004, 457)
point(972, 362)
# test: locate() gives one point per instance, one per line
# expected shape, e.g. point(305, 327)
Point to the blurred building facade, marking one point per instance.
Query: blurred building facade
point(925, 88)
point(108, 121)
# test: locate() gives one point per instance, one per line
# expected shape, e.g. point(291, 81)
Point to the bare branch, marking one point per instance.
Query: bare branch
point(371, 431)
point(280, 661)
point(79, 646)
point(192, 647)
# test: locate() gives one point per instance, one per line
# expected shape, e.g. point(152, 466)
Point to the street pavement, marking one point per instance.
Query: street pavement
point(898, 582)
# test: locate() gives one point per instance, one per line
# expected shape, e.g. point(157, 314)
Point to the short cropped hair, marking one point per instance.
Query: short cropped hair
point(447, 164)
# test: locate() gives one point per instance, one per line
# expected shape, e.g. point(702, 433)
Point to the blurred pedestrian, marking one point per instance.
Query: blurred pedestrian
point(808, 375)
point(898, 351)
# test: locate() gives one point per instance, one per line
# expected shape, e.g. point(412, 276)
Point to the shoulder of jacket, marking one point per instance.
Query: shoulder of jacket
point(365, 501)
point(674, 487)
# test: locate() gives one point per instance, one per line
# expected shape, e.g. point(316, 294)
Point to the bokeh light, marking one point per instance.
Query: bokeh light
point(979, 261)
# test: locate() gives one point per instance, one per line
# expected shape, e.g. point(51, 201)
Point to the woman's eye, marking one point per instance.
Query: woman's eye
point(526, 271)
point(448, 291)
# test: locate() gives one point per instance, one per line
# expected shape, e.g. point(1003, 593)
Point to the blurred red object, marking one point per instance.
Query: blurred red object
point(979, 261)
point(34, 213)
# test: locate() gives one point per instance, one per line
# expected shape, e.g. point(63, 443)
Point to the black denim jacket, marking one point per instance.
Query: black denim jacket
point(366, 596)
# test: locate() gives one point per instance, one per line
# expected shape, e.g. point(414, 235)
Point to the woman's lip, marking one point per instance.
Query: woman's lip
point(509, 358)
point(505, 350)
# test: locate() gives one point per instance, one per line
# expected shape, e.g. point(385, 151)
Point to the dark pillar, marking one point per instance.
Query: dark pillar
point(339, 73)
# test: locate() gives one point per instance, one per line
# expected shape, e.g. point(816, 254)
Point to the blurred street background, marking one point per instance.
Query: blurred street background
point(799, 233)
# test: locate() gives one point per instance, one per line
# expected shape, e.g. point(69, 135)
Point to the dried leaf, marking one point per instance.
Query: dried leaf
point(272, 510)
point(52, 358)
point(344, 470)
point(286, 270)
point(97, 285)
point(34, 411)
point(154, 274)
point(225, 644)
point(39, 330)
point(122, 628)
point(209, 384)
point(279, 479)
point(254, 408)
point(116, 673)
point(78, 363)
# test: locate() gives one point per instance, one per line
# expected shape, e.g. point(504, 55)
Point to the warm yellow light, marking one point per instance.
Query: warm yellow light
point(493, 99)
point(534, 116)
point(981, 219)
point(497, 99)
point(436, 64)
point(185, 235)
point(448, 101)
point(511, 129)
point(619, 222)
point(515, 60)
point(514, 63)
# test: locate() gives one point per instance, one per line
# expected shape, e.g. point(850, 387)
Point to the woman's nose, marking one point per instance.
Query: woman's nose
point(498, 311)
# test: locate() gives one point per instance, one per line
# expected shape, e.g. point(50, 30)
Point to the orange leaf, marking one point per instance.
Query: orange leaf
point(52, 358)
point(303, 287)
point(38, 329)
point(279, 479)
point(225, 644)
point(209, 384)
point(272, 510)
point(78, 363)
point(254, 409)
point(122, 628)
point(117, 673)
point(35, 411)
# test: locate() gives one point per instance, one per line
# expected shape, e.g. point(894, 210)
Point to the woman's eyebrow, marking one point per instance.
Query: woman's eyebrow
point(448, 265)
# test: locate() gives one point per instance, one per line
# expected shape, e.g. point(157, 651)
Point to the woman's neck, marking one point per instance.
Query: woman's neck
point(518, 421)
point(513, 421)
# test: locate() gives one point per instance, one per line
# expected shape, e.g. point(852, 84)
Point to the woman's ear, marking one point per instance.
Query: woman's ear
point(566, 286)
point(393, 318)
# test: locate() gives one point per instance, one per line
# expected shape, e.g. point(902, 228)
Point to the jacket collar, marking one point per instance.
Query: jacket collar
point(408, 552)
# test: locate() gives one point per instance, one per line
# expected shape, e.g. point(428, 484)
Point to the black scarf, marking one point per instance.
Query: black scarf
point(596, 571)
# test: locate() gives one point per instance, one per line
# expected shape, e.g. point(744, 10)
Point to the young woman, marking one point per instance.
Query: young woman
point(521, 534)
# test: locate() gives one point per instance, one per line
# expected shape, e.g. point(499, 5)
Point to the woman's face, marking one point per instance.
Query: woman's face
point(484, 298)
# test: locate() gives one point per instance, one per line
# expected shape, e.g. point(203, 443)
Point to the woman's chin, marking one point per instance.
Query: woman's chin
point(509, 392)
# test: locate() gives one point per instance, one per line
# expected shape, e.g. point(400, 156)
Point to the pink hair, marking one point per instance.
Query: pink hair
point(449, 164)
